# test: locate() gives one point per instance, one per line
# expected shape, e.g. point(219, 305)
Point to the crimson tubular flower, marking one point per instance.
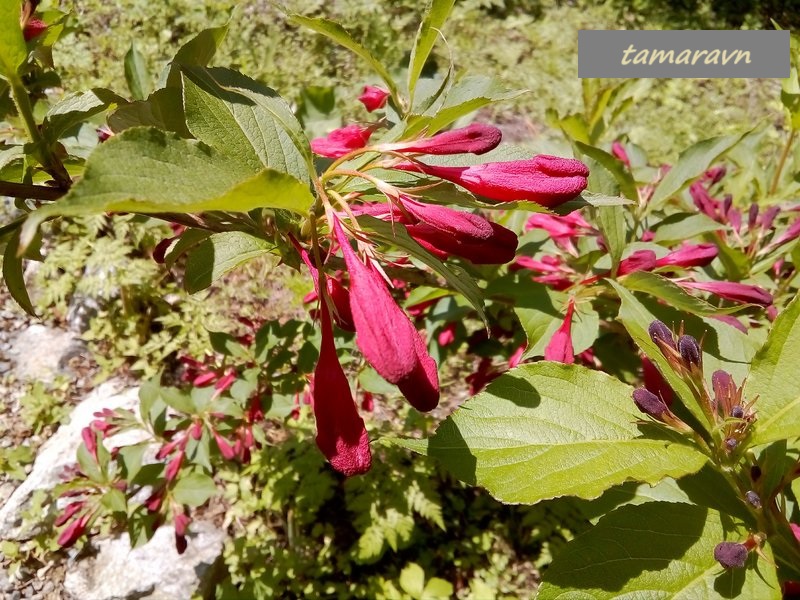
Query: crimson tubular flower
point(730, 290)
point(341, 141)
point(689, 255)
point(560, 346)
point(33, 28)
point(473, 139)
point(386, 336)
point(546, 180)
point(373, 97)
point(341, 434)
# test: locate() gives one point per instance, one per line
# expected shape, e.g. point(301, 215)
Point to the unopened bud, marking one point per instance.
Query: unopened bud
point(731, 555)
point(659, 332)
point(690, 350)
point(753, 499)
point(730, 444)
point(650, 404)
point(737, 412)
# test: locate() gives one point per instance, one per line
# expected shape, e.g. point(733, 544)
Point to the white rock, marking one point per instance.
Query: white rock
point(39, 352)
point(59, 451)
point(154, 571)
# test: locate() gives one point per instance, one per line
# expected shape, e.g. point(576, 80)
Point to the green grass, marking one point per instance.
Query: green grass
point(529, 45)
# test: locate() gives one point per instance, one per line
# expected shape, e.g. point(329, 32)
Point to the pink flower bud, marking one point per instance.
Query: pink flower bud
point(73, 531)
point(473, 139)
point(204, 379)
point(499, 249)
point(224, 447)
point(698, 255)
point(33, 28)
point(385, 335)
point(69, 512)
point(90, 441)
point(641, 260)
point(560, 346)
point(447, 335)
point(341, 434)
point(173, 466)
point(618, 150)
point(373, 97)
point(735, 292)
point(341, 141)
point(546, 180)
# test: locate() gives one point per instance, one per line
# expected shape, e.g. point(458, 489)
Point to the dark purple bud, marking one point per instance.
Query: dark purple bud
point(726, 204)
point(752, 215)
point(753, 499)
point(730, 444)
point(731, 555)
point(690, 350)
point(737, 412)
point(659, 332)
point(650, 404)
point(755, 472)
point(768, 217)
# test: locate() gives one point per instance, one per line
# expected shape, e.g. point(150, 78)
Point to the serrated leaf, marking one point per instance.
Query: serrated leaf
point(339, 35)
point(136, 74)
point(246, 120)
point(435, 17)
point(197, 52)
point(13, 50)
point(656, 550)
point(455, 277)
point(466, 96)
point(636, 319)
point(614, 166)
point(14, 276)
point(146, 170)
point(546, 430)
point(775, 379)
point(162, 109)
point(220, 254)
point(684, 226)
point(692, 162)
point(194, 489)
point(660, 287)
point(76, 108)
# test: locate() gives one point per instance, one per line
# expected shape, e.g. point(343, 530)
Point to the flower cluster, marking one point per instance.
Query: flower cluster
point(363, 302)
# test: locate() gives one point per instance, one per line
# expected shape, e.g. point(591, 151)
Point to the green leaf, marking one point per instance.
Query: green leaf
point(636, 319)
point(13, 51)
point(614, 166)
point(149, 171)
point(435, 18)
point(219, 254)
point(412, 580)
point(177, 399)
point(437, 589)
point(656, 550)
point(546, 430)
point(197, 52)
point(775, 379)
point(455, 277)
point(132, 458)
point(611, 221)
point(684, 226)
point(674, 295)
point(14, 276)
point(162, 109)
point(245, 120)
point(466, 96)
point(194, 489)
point(136, 74)
point(338, 34)
point(89, 465)
point(114, 500)
point(692, 162)
point(77, 108)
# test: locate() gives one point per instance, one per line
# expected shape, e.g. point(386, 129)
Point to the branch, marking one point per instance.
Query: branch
point(24, 190)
